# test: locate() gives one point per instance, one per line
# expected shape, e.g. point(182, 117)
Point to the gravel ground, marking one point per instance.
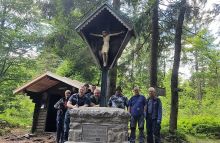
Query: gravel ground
point(22, 136)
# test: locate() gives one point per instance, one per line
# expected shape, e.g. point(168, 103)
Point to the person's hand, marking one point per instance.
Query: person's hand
point(158, 121)
point(158, 126)
point(75, 106)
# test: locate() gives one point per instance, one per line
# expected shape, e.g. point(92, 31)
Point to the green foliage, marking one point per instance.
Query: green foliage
point(16, 110)
point(64, 68)
point(18, 33)
point(199, 125)
point(19, 112)
point(16, 76)
point(61, 50)
point(47, 61)
point(201, 119)
point(177, 137)
point(65, 43)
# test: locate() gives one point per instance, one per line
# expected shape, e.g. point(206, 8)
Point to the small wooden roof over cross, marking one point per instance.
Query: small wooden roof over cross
point(105, 18)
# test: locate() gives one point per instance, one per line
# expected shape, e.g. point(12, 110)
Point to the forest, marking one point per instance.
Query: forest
point(176, 47)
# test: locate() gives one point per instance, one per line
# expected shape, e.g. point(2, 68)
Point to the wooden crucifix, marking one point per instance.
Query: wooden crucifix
point(105, 47)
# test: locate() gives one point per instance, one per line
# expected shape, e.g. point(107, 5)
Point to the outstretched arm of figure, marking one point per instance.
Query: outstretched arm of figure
point(97, 35)
point(115, 34)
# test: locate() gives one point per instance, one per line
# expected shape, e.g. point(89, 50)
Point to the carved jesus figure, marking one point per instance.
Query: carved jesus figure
point(105, 47)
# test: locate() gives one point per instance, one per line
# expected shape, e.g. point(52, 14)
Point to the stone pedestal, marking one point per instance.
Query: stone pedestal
point(98, 125)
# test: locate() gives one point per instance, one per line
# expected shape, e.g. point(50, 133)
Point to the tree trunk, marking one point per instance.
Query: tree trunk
point(175, 71)
point(196, 29)
point(154, 45)
point(198, 79)
point(116, 4)
point(113, 71)
point(217, 76)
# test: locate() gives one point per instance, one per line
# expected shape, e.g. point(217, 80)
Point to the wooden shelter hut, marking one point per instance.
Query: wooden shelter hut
point(45, 91)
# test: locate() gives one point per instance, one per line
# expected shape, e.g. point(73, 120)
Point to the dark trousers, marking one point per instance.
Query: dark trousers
point(133, 124)
point(66, 125)
point(153, 131)
point(60, 129)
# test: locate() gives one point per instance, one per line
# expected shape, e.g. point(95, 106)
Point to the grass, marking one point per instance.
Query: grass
point(193, 139)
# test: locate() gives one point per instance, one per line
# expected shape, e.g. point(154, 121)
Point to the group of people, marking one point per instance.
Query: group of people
point(139, 107)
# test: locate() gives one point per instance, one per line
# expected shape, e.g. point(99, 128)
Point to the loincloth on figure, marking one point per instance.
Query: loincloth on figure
point(105, 48)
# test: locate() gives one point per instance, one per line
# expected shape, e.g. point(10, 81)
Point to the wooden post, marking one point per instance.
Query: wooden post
point(104, 86)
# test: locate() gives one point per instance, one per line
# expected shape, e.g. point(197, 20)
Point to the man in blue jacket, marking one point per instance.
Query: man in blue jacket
point(136, 107)
point(153, 116)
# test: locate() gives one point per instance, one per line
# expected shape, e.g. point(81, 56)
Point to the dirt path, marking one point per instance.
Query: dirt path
point(22, 136)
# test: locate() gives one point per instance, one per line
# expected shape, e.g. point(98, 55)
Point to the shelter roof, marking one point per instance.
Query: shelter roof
point(46, 81)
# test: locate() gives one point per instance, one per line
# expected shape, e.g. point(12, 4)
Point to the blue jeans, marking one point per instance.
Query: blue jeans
point(60, 129)
point(66, 125)
point(133, 124)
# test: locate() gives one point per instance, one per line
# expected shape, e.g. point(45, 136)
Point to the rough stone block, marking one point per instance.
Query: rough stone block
point(99, 125)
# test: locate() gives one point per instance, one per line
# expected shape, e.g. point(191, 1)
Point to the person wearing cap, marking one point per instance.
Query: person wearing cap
point(75, 101)
point(61, 107)
point(153, 116)
point(136, 107)
point(95, 98)
point(118, 100)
